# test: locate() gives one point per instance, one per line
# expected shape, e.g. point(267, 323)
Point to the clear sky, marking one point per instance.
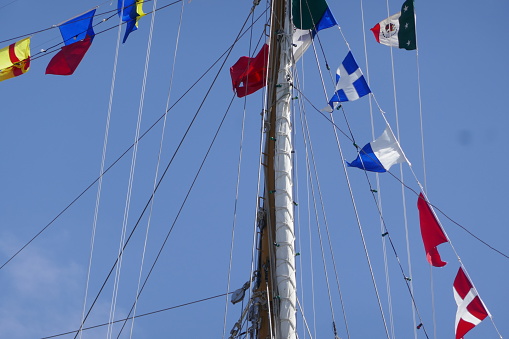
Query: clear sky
point(53, 131)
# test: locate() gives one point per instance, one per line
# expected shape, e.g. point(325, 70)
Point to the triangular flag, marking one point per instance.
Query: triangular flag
point(431, 231)
point(131, 11)
point(77, 34)
point(471, 310)
point(15, 59)
point(350, 83)
point(249, 74)
point(381, 154)
point(398, 30)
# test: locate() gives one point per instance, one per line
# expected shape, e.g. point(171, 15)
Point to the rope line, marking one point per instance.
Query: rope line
point(66, 21)
point(175, 219)
point(311, 168)
point(162, 177)
point(138, 316)
point(118, 158)
point(237, 184)
point(149, 45)
point(197, 174)
point(99, 187)
point(377, 178)
point(406, 186)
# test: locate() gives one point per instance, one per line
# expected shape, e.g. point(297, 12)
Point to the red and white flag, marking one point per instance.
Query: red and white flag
point(471, 310)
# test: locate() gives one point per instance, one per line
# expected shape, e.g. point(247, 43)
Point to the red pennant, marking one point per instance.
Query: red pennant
point(432, 234)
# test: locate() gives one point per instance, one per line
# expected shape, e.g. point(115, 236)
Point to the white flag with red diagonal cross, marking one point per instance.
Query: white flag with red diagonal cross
point(471, 310)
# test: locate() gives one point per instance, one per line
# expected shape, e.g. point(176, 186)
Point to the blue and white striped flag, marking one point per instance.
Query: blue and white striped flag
point(350, 83)
point(381, 154)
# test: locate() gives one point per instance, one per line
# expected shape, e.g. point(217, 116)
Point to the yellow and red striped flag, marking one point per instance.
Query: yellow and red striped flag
point(15, 59)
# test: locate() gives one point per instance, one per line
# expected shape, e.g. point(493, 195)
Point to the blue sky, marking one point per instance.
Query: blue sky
point(52, 132)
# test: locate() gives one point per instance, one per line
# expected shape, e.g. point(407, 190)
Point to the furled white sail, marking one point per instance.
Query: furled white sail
point(285, 251)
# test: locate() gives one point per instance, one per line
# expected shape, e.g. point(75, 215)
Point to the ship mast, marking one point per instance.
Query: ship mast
point(278, 253)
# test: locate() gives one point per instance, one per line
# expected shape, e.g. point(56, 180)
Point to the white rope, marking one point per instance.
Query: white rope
point(234, 222)
point(378, 186)
point(298, 233)
point(99, 186)
point(334, 265)
point(308, 190)
point(304, 318)
point(149, 44)
point(128, 196)
point(432, 287)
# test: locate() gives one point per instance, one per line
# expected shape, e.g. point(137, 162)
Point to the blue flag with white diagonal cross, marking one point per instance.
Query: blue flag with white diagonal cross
point(350, 83)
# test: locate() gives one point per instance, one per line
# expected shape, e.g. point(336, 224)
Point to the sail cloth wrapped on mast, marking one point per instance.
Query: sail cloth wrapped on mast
point(471, 310)
point(381, 154)
point(77, 34)
point(431, 231)
point(131, 11)
point(15, 59)
point(398, 30)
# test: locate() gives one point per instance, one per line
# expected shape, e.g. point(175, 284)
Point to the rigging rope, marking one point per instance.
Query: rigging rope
point(149, 45)
point(178, 213)
point(138, 316)
point(129, 190)
point(196, 176)
point(425, 189)
point(103, 160)
point(122, 155)
point(416, 193)
point(326, 224)
point(313, 172)
point(378, 185)
point(96, 15)
point(237, 185)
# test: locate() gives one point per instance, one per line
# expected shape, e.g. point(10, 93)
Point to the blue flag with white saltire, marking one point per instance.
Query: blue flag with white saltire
point(350, 83)
point(381, 154)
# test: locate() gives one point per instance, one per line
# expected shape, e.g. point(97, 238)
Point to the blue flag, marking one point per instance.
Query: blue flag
point(380, 155)
point(78, 28)
point(131, 12)
point(350, 83)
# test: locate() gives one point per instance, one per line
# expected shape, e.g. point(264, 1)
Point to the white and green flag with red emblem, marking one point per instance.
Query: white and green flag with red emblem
point(398, 30)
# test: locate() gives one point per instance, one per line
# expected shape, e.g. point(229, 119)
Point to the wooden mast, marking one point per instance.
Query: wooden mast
point(277, 269)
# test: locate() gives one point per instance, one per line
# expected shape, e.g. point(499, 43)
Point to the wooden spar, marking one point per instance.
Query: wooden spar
point(277, 269)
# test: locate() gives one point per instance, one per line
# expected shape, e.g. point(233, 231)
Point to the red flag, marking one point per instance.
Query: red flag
point(67, 60)
point(432, 234)
point(471, 310)
point(249, 74)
